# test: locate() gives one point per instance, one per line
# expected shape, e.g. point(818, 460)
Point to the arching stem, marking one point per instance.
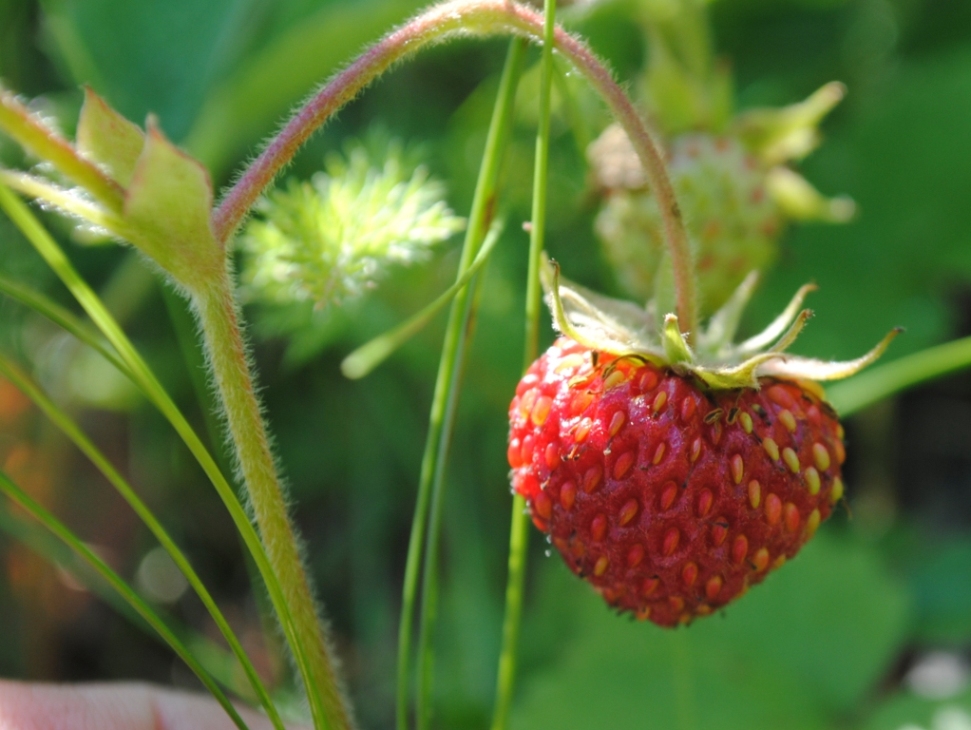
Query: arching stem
point(439, 23)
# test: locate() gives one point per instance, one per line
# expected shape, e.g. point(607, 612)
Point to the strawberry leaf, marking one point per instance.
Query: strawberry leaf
point(109, 139)
point(167, 210)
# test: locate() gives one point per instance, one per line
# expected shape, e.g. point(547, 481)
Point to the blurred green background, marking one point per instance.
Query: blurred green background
point(869, 628)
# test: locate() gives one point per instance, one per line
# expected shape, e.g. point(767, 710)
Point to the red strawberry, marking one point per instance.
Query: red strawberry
point(670, 500)
point(669, 482)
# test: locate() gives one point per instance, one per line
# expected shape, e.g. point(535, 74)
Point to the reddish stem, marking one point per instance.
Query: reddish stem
point(469, 17)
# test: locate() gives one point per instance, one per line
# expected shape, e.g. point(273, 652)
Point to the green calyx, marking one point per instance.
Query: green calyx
point(624, 329)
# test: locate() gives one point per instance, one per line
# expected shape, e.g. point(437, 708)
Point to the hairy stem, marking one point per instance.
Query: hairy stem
point(142, 375)
point(219, 318)
point(439, 23)
point(439, 427)
point(519, 524)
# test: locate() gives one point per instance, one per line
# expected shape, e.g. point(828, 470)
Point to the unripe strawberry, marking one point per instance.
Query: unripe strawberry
point(735, 190)
point(733, 222)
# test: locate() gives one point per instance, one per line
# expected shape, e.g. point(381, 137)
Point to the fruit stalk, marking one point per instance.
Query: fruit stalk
point(483, 18)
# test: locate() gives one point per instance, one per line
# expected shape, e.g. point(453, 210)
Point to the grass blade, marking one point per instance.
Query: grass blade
point(426, 526)
point(519, 523)
point(70, 429)
point(67, 320)
point(219, 662)
point(16, 494)
point(367, 357)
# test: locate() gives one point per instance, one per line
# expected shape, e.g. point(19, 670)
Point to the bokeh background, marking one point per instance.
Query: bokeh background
point(869, 628)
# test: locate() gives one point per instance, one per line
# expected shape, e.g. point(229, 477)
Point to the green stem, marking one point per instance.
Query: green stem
point(884, 381)
point(219, 319)
point(519, 524)
point(482, 208)
point(461, 18)
point(60, 419)
point(145, 379)
point(36, 511)
point(681, 675)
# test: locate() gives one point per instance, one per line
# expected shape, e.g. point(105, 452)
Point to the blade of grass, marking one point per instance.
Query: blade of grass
point(884, 381)
point(181, 320)
point(445, 394)
point(16, 494)
point(519, 527)
point(59, 418)
point(45, 245)
point(367, 357)
point(67, 320)
point(219, 662)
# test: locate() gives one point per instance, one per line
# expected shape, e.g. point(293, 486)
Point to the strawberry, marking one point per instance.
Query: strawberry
point(736, 190)
point(672, 479)
point(734, 223)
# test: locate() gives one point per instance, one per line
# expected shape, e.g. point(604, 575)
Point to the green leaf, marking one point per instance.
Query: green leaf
point(74, 203)
point(793, 653)
point(598, 322)
point(938, 570)
point(36, 136)
point(159, 57)
point(811, 369)
point(167, 210)
point(249, 103)
point(908, 711)
point(108, 138)
point(778, 326)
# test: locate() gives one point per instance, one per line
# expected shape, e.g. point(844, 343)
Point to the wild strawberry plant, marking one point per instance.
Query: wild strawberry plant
point(672, 468)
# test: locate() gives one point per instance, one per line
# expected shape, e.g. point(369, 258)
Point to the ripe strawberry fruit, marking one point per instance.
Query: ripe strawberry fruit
point(670, 500)
point(672, 484)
